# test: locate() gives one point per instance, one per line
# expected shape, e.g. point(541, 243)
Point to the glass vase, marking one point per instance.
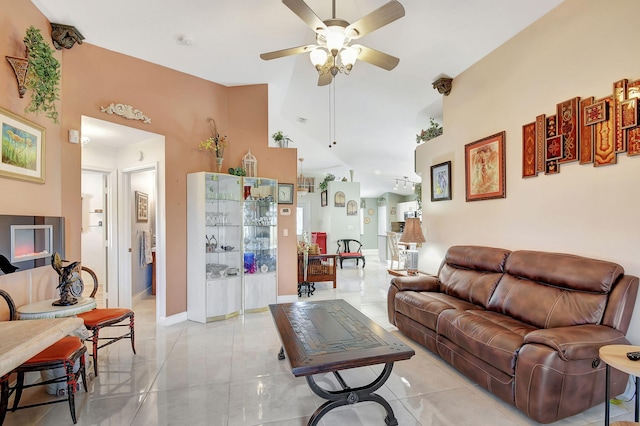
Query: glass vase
point(219, 163)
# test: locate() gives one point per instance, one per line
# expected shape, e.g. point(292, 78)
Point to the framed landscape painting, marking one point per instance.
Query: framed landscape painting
point(22, 148)
point(485, 168)
point(441, 181)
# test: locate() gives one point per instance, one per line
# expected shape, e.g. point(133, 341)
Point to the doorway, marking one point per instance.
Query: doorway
point(131, 163)
point(95, 229)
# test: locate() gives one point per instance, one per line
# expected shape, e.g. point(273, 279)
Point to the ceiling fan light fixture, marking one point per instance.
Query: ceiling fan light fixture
point(335, 39)
point(348, 56)
point(318, 57)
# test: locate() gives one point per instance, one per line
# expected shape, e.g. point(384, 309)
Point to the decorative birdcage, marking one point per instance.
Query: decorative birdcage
point(250, 165)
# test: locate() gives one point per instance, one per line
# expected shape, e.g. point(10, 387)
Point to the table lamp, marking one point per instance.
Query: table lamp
point(413, 235)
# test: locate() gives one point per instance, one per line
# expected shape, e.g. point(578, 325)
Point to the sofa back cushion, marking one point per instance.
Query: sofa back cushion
point(554, 289)
point(471, 273)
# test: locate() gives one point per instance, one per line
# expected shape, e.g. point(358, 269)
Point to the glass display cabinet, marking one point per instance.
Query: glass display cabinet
point(214, 245)
point(260, 243)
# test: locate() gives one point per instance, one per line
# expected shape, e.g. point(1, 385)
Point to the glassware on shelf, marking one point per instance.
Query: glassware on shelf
point(249, 263)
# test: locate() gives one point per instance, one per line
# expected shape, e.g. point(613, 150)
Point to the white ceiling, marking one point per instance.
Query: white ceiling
point(378, 112)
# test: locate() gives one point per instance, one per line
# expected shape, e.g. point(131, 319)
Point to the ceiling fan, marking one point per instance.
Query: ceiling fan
point(333, 52)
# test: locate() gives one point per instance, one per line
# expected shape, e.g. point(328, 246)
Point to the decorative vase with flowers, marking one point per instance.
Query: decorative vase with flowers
point(215, 144)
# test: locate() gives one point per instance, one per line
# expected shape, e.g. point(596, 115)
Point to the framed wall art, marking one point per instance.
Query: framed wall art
point(485, 168)
point(323, 198)
point(352, 208)
point(629, 113)
point(441, 181)
point(339, 199)
point(22, 148)
point(142, 207)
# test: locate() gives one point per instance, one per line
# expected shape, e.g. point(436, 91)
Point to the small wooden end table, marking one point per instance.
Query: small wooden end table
point(403, 273)
point(329, 336)
point(616, 356)
point(320, 267)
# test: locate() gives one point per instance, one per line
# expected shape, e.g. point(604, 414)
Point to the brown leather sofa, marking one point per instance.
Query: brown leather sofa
point(525, 325)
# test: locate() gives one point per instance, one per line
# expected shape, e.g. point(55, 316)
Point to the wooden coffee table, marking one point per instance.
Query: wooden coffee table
point(329, 336)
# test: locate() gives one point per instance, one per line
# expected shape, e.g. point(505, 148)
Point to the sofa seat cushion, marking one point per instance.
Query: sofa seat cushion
point(424, 307)
point(490, 336)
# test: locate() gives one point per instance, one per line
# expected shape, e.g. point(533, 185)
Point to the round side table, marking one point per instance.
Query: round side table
point(616, 356)
point(44, 309)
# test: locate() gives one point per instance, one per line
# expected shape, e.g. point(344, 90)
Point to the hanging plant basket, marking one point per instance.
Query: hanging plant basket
point(20, 67)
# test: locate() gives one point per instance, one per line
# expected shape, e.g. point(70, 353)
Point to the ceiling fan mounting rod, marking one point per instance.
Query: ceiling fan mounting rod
point(333, 9)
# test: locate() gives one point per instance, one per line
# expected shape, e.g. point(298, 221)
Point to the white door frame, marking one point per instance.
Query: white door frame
point(124, 253)
point(110, 287)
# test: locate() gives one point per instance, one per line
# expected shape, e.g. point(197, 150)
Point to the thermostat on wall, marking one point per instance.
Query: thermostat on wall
point(285, 211)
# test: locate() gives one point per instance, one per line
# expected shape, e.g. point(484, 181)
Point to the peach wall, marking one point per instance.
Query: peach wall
point(578, 49)
point(247, 103)
point(20, 197)
point(178, 105)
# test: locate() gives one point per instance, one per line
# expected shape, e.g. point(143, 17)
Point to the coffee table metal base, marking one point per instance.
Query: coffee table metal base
point(349, 395)
point(352, 396)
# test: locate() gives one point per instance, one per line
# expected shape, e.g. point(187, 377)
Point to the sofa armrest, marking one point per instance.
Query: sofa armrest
point(412, 283)
point(416, 283)
point(578, 341)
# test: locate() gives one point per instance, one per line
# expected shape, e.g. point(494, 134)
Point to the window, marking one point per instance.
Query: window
point(299, 220)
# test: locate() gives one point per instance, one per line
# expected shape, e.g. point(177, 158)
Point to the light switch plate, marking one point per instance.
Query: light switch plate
point(74, 136)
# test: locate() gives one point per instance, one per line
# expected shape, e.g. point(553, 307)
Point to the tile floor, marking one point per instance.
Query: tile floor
point(227, 373)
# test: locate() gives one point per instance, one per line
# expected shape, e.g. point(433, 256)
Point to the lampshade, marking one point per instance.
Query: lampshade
point(335, 38)
point(412, 231)
point(348, 56)
point(318, 56)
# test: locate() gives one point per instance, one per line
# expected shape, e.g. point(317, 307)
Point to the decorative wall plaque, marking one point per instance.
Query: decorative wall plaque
point(126, 111)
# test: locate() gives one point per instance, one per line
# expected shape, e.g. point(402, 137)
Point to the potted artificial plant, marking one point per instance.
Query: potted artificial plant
point(281, 140)
point(433, 131)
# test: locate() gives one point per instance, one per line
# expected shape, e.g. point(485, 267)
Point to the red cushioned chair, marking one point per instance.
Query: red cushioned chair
point(62, 354)
point(100, 318)
point(350, 249)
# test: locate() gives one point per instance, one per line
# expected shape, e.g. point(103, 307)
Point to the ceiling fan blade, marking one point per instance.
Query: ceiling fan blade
point(377, 58)
point(304, 12)
point(287, 52)
point(325, 79)
point(378, 18)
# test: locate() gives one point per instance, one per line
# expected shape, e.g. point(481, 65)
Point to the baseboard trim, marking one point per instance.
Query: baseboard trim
point(173, 319)
point(288, 298)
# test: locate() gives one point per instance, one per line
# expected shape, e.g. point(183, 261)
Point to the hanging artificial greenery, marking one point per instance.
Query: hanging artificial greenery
point(43, 75)
point(329, 177)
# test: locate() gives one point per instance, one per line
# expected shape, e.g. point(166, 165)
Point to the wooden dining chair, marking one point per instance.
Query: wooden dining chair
point(65, 353)
point(350, 249)
point(394, 249)
point(99, 318)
